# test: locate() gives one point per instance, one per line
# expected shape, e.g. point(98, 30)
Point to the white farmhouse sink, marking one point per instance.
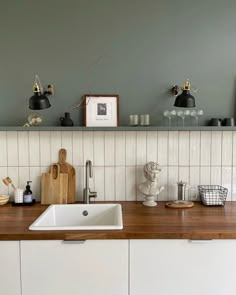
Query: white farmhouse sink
point(80, 217)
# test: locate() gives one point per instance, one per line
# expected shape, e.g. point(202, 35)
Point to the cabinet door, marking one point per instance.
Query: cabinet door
point(10, 268)
point(93, 267)
point(183, 267)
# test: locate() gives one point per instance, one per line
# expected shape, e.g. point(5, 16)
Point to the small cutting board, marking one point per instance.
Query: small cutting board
point(180, 204)
point(70, 171)
point(54, 186)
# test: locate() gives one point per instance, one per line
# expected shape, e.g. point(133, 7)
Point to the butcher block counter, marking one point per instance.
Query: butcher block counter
point(139, 222)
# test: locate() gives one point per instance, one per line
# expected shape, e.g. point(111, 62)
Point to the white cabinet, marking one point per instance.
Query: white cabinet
point(10, 268)
point(91, 268)
point(166, 267)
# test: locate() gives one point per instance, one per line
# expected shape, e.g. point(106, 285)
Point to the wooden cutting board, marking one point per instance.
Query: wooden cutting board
point(54, 186)
point(179, 204)
point(70, 171)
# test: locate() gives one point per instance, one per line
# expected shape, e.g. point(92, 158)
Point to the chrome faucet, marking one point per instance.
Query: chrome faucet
point(89, 174)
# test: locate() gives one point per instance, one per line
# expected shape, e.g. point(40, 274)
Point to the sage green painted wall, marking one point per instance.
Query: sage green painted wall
point(137, 49)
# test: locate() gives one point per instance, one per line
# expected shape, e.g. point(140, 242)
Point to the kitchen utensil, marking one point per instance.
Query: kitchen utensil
point(54, 186)
point(70, 171)
point(180, 204)
point(181, 190)
point(8, 181)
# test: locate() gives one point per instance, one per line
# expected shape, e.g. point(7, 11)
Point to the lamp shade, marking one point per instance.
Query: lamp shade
point(39, 101)
point(185, 100)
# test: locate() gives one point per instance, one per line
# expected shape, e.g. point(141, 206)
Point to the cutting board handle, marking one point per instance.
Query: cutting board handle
point(55, 171)
point(62, 156)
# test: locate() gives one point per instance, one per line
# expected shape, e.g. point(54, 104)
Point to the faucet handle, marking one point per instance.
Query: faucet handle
point(92, 195)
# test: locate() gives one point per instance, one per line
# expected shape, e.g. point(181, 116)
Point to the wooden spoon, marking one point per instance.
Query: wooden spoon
point(8, 181)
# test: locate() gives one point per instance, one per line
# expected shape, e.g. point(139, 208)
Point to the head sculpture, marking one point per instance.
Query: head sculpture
point(151, 171)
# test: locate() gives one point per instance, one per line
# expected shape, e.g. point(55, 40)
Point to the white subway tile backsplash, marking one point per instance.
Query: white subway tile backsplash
point(216, 150)
point(205, 175)
point(215, 175)
point(78, 149)
point(162, 148)
point(34, 149)
point(183, 148)
point(88, 146)
point(3, 144)
point(109, 148)
point(130, 184)
point(152, 146)
point(194, 148)
point(227, 148)
point(120, 148)
point(109, 183)
point(45, 148)
point(118, 158)
point(12, 148)
point(205, 155)
point(99, 149)
point(173, 148)
point(141, 150)
point(23, 148)
point(130, 148)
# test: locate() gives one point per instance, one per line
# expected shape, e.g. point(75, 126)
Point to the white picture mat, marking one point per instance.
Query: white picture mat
point(101, 111)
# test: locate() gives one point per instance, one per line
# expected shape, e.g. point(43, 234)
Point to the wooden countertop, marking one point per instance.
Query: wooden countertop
point(199, 222)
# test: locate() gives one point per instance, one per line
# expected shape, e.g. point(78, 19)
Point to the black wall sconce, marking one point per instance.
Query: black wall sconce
point(39, 100)
point(185, 99)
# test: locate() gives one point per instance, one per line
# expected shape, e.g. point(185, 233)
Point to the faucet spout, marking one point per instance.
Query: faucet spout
point(88, 174)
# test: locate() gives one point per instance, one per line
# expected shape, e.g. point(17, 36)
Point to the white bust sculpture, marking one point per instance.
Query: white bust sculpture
point(150, 187)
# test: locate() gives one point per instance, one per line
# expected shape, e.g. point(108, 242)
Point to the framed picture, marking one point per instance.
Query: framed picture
point(101, 110)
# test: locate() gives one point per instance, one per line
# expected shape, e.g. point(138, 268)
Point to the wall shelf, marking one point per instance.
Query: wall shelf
point(121, 128)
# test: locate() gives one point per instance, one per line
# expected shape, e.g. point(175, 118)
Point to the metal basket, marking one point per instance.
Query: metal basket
point(213, 195)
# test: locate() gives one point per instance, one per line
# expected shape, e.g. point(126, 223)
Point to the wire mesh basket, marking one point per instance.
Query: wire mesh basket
point(213, 195)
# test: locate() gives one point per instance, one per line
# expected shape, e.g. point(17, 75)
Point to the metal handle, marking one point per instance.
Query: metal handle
point(70, 242)
point(200, 241)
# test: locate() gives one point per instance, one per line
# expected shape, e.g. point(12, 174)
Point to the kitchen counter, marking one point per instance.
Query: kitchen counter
point(199, 222)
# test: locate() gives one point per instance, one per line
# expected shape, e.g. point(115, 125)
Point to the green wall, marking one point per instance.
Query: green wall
point(137, 49)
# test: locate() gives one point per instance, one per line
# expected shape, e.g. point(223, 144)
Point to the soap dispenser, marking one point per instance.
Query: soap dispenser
point(28, 193)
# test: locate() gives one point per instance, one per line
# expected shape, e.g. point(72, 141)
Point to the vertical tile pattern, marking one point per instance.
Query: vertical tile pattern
point(34, 149)
point(162, 148)
point(227, 146)
point(141, 151)
point(130, 148)
point(205, 148)
point(152, 146)
point(173, 148)
point(78, 150)
point(12, 148)
point(110, 183)
point(194, 146)
point(183, 148)
point(120, 180)
point(99, 149)
point(45, 148)
point(120, 148)
point(206, 157)
point(109, 149)
point(3, 144)
point(216, 151)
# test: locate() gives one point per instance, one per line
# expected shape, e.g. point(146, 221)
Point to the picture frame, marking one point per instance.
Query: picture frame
point(101, 110)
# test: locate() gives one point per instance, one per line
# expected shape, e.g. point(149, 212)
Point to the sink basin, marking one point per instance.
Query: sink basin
point(80, 217)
